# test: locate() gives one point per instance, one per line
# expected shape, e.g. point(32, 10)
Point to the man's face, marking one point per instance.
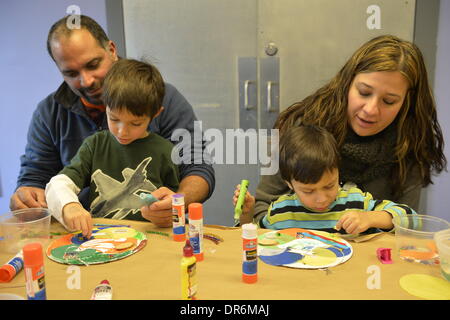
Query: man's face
point(83, 63)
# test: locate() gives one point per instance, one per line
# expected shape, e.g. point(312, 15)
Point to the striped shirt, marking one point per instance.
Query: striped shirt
point(289, 212)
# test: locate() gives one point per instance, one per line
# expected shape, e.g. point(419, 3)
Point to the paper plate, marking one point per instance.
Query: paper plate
point(304, 249)
point(106, 244)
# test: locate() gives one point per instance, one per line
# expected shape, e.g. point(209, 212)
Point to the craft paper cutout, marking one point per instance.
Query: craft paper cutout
point(106, 244)
point(427, 254)
point(305, 249)
point(425, 286)
point(283, 258)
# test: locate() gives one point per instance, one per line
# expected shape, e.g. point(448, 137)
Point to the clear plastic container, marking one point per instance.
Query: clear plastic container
point(414, 235)
point(20, 227)
point(442, 239)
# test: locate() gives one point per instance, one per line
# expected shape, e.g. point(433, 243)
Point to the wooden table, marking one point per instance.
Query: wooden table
point(154, 273)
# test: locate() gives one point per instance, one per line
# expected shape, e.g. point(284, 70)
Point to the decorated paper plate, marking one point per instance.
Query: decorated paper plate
point(301, 248)
point(106, 244)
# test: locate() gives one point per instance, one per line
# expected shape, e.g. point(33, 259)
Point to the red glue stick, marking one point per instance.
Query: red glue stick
point(34, 271)
point(196, 229)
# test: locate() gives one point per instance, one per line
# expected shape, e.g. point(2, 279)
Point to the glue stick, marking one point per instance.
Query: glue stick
point(11, 268)
point(34, 271)
point(103, 291)
point(178, 217)
point(196, 229)
point(250, 254)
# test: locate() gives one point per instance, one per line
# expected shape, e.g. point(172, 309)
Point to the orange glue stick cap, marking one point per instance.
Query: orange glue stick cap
point(32, 254)
point(249, 278)
point(195, 211)
point(7, 272)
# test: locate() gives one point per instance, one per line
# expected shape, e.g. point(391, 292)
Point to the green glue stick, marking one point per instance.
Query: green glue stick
point(240, 200)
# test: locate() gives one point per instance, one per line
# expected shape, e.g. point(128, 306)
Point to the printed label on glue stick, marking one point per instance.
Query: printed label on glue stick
point(178, 219)
point(196, 236)
point(35, 283)
point(250, 249)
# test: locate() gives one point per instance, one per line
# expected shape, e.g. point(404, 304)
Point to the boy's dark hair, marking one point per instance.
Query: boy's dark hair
point(60, 28)
point(306, 153)
point(135, 86)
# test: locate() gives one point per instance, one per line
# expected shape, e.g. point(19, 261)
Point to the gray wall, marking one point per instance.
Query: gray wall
point(28, 75)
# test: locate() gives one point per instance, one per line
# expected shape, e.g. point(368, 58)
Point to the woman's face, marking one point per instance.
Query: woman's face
point(374, 100)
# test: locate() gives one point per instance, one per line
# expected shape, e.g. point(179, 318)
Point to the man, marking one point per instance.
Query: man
point(75, 111)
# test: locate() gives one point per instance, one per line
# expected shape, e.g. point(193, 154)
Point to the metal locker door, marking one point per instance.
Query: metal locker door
point(197, 45)
point(314, 38)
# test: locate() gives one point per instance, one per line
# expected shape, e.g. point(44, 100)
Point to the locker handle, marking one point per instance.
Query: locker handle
point(246, 85)
point(269, 96)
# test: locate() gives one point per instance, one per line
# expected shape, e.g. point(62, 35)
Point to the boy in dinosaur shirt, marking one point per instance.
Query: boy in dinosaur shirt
point(121, 163)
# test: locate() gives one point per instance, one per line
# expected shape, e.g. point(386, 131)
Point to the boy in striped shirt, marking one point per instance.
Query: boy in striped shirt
point(309, 163)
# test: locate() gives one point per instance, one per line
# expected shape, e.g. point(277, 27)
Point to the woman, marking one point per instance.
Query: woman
point(381, 111)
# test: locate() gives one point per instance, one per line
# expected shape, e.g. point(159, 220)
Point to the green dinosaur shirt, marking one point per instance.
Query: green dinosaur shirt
point(117, 174)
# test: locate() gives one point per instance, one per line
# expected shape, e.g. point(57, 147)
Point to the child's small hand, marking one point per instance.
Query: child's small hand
point(77, 218)
point(355, 222)
point(247, 208)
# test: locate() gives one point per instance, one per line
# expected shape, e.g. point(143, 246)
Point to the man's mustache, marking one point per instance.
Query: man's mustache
point(89, 90)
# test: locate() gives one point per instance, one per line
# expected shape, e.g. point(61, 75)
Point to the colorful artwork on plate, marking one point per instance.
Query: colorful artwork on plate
point(108, 243)
point(301, 248)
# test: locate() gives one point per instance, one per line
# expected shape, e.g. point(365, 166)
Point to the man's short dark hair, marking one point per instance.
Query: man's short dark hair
point(306, 153)
point(60, 28)
point(135, 86)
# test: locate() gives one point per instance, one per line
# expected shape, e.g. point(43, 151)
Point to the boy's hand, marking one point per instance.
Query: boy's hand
point(77, 218)
point(355, 222)
point(160, 212)
point(247, 208)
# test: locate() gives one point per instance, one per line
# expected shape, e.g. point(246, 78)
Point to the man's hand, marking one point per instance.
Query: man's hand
point(28, 197)
point(194, 188)
point(77, 218)
point(160, 212)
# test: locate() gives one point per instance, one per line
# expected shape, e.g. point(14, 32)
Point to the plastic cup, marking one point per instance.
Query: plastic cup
point(442, 239)
point(20, 227)
point(414, 235)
